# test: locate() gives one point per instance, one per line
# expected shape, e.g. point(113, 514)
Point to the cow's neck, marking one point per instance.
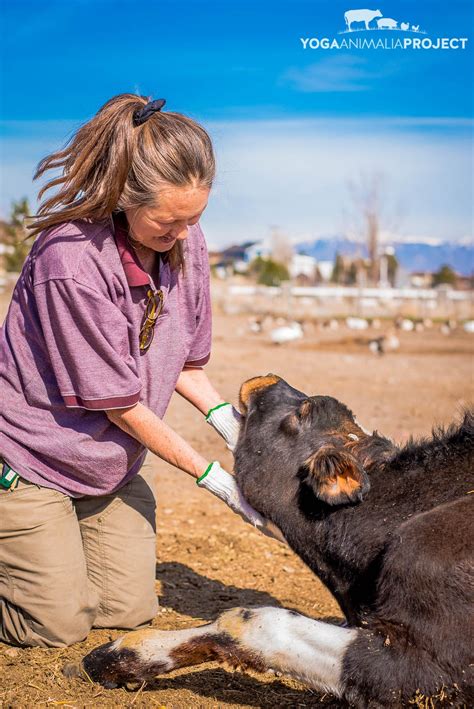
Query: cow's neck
point(340, 546)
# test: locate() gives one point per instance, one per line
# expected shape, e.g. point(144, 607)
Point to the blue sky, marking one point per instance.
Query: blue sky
point(291, 126)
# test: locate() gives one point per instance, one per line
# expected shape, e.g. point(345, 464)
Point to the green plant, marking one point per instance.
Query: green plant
point(15, 233)
point(338, 271)
point(445, 275)
point(269, 272)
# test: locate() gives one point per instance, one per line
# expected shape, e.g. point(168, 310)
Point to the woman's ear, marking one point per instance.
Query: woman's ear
point(335, 476)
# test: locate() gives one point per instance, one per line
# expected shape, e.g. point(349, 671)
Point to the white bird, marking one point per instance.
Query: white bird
point(386, 343)
point(392, 342)
point(357, 323)
point(329, 325)
point(415, 28)
point(407, 325)
point(255, 326)
point(287, 333)
point(469, 326)
point(377, 346)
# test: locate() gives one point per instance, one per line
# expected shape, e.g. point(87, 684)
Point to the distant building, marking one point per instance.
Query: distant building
point(236, 258)
point(465, 283)
point(257, 249)
point(421, 279)
point(325, 269)
point(301, 265)
point(304, 269)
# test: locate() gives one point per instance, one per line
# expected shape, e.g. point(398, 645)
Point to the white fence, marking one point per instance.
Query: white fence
point(341, 292)
point(324, 301)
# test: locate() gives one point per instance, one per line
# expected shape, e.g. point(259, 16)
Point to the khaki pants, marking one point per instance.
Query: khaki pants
point(67, 565)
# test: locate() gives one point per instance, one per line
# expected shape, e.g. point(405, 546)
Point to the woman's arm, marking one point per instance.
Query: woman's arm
point(196, 388)
point(141, 423)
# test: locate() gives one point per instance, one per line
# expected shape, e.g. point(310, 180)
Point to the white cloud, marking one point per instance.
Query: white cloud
point(341, 72)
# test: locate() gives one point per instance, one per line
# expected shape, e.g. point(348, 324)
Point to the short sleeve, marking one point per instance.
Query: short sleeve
point(200, 351)
point(86, 336)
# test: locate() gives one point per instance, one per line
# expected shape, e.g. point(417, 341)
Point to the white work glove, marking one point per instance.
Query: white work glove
point(223, 485)
point(226, 421)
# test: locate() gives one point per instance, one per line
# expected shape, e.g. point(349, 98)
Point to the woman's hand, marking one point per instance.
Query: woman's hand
point(226, 420)
point(194, 386)
point(225, 487)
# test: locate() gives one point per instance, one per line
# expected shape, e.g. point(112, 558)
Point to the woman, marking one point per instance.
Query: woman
point(110, 315)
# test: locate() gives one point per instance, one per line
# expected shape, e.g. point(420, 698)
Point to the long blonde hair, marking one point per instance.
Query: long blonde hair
point(110, 164)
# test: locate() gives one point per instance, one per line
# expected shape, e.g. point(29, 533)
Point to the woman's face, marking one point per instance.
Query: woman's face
point(159, 227)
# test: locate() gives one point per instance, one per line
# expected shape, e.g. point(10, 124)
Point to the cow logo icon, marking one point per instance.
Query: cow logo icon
point(375, 20)
point(365, 16)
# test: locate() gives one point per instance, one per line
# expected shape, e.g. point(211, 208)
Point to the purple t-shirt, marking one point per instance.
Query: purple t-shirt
point(70, 350)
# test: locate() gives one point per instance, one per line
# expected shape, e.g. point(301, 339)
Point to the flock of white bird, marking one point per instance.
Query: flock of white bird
point(292, 330)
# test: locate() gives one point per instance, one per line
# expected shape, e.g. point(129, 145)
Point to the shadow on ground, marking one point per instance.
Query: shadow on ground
point(189, 593)
point(237, 688)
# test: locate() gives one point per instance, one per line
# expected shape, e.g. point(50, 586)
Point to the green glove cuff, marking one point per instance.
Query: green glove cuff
point(214, 408)
point(201, 477)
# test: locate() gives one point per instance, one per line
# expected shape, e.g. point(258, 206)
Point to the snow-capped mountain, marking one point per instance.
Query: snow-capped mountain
point(412, 256)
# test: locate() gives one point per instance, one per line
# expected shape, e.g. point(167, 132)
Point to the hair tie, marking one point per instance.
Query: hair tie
point(143, 114)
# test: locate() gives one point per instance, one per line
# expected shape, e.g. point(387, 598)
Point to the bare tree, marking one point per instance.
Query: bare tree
point(369, 216)
point(282, 250)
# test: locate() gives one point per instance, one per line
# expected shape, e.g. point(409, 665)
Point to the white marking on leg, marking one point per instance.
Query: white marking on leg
point(155, 646)
point(307, 649)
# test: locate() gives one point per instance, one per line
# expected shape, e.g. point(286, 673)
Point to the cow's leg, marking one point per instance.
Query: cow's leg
point(259, 639)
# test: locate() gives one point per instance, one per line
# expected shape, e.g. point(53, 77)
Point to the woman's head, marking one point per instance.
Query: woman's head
point(159, 171)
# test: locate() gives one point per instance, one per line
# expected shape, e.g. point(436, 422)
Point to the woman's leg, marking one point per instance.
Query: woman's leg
point(119, 539)
point(45, 598)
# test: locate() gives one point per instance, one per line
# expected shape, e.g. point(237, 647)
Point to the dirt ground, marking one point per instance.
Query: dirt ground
point(208, 560)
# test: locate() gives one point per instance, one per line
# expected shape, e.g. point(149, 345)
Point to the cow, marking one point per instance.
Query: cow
point(365, 16)
point(388, 529)
point(386, 23)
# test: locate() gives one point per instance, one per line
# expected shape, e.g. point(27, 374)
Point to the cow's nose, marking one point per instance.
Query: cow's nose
point(252, 385)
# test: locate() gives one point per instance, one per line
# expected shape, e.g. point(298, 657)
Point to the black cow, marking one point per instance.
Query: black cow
point(390, 532)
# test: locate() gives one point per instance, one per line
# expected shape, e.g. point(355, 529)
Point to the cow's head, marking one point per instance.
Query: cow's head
point(291, 443)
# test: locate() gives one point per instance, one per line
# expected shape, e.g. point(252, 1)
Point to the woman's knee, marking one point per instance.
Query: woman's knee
point(45, 596)
point(128, 609)
point(54, 627)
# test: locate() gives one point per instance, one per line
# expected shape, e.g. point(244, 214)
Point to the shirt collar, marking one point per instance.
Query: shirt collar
point(134, 272)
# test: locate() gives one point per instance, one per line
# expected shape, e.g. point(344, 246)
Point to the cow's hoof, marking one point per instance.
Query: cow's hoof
point(109, 666)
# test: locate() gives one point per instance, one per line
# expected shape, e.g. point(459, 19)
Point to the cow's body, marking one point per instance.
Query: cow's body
point(399, 561)
point(365, 16)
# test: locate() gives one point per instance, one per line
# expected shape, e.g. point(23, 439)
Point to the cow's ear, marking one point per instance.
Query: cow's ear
point(335, 476)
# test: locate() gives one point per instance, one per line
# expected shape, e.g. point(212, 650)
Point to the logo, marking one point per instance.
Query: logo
point(365, 20)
